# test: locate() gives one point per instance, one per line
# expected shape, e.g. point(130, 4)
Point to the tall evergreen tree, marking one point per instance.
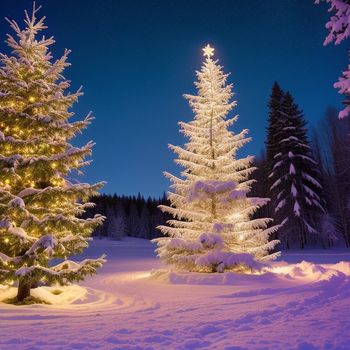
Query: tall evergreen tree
point(212, 229)
point(273, 137)
point(40, 209)
point(273, 143)
point(296, 190)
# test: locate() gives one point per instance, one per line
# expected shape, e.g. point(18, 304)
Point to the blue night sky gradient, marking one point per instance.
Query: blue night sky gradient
point(135, 59)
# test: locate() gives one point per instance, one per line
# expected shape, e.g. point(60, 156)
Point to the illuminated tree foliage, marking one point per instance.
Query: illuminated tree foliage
point(40, 209)
point(213, 229)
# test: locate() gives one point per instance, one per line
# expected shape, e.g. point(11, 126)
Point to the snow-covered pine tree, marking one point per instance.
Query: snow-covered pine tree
point(274, 118)
point(343, 85)
point(40, 209)
point(273, 140)
point(212, 229)
point(339, 30)
point(339, 22)
point(295, 190)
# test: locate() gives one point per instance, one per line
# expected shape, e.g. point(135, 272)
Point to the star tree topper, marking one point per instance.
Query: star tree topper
point(208, 51)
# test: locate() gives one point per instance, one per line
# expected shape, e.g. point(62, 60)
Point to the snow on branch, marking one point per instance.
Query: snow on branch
point(45, 244)
point(62, 273)
point(339, 23)
point(339, 30)
point(202, 189)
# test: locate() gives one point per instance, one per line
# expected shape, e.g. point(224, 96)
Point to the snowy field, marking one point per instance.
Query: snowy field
point(123, 307)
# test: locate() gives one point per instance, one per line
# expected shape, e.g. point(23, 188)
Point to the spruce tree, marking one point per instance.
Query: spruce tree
point(296, 189)
point(40, 209)
point(273, 138)
point(274, 118)
point(212, 229)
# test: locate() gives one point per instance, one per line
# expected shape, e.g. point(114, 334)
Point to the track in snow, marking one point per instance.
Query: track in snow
point(125, 309)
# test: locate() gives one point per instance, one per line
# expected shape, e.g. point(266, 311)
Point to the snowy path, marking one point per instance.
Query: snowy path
point(126, 309)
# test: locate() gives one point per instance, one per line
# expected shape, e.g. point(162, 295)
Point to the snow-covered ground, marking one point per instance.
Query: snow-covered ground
point(127, 308)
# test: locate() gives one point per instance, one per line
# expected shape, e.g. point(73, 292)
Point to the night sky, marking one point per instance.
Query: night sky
point(135, 59)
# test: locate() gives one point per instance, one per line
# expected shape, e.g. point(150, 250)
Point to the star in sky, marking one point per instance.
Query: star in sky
point(208, 51)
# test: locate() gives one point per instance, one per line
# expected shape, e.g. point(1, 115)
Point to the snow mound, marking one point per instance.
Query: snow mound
point(309, 271)
point(276, 271)
point(53, 295)
point(197, 278)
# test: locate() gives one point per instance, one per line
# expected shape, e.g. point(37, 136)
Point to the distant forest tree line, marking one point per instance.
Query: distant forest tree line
point(305, 173)
point(128, 216)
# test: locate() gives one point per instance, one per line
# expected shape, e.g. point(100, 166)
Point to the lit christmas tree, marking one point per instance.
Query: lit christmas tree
point(213, 229)
point(40, 209)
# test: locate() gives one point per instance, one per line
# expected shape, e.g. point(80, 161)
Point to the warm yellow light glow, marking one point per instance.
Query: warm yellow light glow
point(7, 181)
point(31, 98)
point(6, 240)
point(55, 182)
point(7, 128)
point(208, 51)
point(54, 165)
point(235, 216)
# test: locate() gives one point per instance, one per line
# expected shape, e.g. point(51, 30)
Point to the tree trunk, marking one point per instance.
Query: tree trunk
point(23, 290)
